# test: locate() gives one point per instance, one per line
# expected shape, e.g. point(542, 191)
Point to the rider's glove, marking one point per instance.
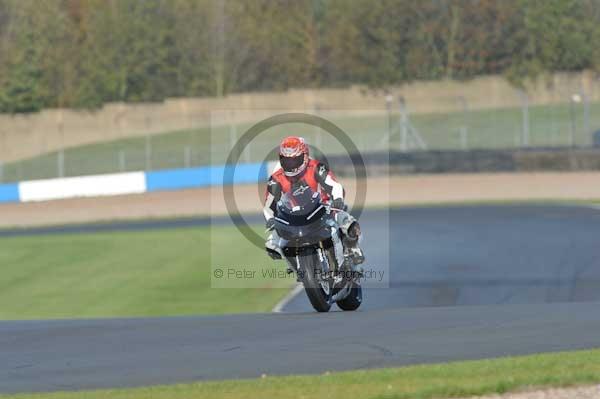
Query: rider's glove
point(270, 224)
point(338, 203)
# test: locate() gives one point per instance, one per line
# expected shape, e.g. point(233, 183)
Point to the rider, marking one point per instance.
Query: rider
point(296, 169)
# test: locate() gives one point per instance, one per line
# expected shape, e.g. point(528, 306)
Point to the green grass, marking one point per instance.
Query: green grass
point(147, 273)
point(458, 379)
point(496, 128)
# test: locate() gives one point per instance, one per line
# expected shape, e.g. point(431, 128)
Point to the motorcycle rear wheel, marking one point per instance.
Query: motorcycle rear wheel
point(317, 295)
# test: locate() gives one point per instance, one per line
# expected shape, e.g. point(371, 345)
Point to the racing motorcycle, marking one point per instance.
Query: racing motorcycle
point(311, 243)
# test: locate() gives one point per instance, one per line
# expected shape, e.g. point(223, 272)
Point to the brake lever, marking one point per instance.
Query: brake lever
point(330, 208)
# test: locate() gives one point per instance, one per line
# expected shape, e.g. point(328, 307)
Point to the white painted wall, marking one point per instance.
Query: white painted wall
point(84, 186)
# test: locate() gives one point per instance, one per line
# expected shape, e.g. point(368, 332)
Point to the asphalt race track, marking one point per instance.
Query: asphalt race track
point(480, 255)
point(462, 282)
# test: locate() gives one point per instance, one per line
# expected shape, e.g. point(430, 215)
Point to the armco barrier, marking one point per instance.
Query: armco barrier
point(129, 183)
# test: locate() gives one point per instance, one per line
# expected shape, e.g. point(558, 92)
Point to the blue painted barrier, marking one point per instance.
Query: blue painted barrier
point(9, 192)
point(177, 179)
point(162, 180)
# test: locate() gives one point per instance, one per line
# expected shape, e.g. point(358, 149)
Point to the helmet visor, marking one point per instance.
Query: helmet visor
point(291, 164)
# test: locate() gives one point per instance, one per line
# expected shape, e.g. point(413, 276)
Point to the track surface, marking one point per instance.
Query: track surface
point(479, 255)
point(531, 275)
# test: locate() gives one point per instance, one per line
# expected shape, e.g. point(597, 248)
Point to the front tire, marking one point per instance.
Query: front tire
point(353, 300)
point(318, 295)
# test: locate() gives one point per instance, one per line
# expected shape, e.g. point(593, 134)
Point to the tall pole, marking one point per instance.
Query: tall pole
point(586, 117)
point(575, 98)
point(2, 151)
point(403, 124)
point(524, 119)
point(122, 162)
point(148, 152)
point(318, 131)
point(187, 156)
point(219, 49)
point(61, 153)
point(388, 106)
point(60, 159)
point(464, 132)
point(232, 132)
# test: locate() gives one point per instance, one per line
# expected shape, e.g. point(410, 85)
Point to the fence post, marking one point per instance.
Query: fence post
point(362, 144)
point(403, 124)
point(464, 138)
point(247, 152)
point(388, 107)
point(148, 153)
point(525, 118)
point(122, 165)
point(318, 132)
point(464, 129)
point(586, 118)
point(60, 160)
point(575, 99)
point(187, 156)
point(232, 133)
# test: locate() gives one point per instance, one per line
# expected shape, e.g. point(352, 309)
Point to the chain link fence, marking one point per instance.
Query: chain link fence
point(570, 120)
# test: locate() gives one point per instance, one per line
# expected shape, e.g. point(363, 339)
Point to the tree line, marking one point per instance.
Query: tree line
point(83, 53)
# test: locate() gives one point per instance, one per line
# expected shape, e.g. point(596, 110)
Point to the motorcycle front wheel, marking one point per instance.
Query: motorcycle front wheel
point(353, 300)
point(317, 289)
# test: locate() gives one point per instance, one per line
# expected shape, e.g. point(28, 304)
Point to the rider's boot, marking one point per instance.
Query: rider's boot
point(272, 246)
point(274, 251)
point(353, 251)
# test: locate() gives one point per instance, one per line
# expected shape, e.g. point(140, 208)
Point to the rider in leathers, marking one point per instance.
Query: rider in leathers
point(295, 169)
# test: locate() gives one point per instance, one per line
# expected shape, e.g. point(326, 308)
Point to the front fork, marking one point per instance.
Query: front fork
point(323, 258)
point(330, 260)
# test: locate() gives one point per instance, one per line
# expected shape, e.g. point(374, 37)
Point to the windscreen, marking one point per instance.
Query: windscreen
point(300, 216)
point(300, 200)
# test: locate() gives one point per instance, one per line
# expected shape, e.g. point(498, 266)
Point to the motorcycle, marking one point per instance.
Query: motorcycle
point(311, 243)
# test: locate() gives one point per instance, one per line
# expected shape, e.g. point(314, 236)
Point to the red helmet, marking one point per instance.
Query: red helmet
point(293, 155)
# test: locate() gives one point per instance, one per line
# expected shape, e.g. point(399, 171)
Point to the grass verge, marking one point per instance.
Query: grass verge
point(459, 379)
point(122, 274)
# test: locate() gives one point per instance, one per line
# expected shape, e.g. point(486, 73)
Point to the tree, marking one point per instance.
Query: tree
point(126, 52)
point(558, 35)
point(84, 53)
point(34, 44)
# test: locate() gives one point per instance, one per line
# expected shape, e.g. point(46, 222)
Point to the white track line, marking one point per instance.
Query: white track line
point(583, 205)
point(288, 298)
point(596, 207)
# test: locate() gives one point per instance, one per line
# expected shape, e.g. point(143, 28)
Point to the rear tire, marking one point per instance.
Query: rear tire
point(353, 300)
point(319, 299)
